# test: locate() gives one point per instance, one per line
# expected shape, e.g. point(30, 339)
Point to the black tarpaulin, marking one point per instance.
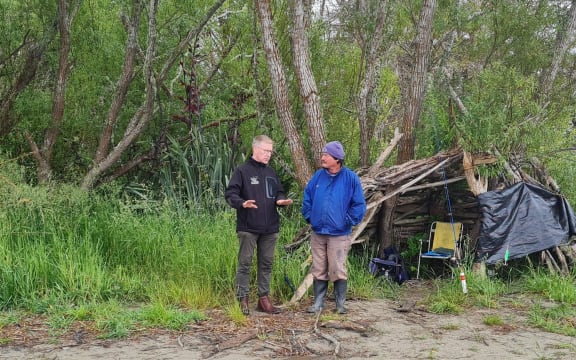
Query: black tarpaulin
point(522, 219)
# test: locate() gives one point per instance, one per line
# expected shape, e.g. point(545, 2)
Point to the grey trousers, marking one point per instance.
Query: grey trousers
point(329, 254)
point(264, 246)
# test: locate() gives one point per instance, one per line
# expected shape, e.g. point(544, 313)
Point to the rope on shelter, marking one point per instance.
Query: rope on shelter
point(450, 211)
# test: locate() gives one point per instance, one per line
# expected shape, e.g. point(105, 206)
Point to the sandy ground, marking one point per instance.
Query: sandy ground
point(382, 329)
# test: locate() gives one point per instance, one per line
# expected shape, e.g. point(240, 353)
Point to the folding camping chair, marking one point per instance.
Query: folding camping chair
point(444, 243)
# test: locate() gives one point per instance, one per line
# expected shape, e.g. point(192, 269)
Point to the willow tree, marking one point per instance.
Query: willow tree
point(300, 17)
point(43, 154)
point(107, 157)
point(280, 90)
point(372, 46)
point(564, 39)
point(412, 82)
point(24, 41)
point(413, 71)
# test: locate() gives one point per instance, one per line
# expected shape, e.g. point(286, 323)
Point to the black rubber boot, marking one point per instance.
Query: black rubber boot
point(340, 288)
point(320, 288)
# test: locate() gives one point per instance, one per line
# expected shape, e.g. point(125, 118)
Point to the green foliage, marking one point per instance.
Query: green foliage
point(447, 299)
point(63, 247)
point(493, 320)
point(196, 174)
point(113, 320)
point(235, 314)
point(557, 288)
point(557, 319)
point(9, 318)
point(482, 291)
point(486, 291)
point(337, 70)
point(166, 316)
point(562, 166)
point(413, 244)
point(437, 132)
point(499, 102)
point(363, 285)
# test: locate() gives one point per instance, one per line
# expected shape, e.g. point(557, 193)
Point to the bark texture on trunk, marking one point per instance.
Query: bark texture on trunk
point(280, 90)
point(306, 81)
point(43, 153)
point(413, 79)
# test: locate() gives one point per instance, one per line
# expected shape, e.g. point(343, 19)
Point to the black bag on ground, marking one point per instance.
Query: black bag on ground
point(391, 267)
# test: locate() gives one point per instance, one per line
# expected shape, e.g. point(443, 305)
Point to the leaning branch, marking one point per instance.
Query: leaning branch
point(384, 155)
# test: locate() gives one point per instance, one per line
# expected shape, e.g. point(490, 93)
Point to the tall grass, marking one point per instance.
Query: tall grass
point(66, 246)
point(78, 256)
point(61, 245)
point(93, 250)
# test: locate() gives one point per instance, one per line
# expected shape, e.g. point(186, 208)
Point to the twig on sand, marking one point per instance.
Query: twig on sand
point(238, 340)
point(326, 336)
point(346, 325)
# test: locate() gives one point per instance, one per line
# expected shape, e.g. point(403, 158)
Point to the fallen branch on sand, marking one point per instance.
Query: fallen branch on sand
point(238, 340)
point(326, 336)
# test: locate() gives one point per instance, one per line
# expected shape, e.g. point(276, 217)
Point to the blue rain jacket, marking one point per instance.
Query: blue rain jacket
point(334, 203)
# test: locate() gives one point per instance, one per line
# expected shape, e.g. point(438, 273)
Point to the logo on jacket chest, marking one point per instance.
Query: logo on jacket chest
point(254, 180)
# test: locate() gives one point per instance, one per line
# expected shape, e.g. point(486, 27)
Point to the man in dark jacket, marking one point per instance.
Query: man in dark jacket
point(255, 191)
point(333, 203)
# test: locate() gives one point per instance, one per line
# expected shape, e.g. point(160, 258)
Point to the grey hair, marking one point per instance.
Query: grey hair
point(262, 139)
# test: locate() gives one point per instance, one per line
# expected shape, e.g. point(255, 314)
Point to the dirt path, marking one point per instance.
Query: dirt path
point(382, 329)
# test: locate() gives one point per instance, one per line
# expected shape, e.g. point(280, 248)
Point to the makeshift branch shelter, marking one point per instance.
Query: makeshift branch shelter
point(403, 200)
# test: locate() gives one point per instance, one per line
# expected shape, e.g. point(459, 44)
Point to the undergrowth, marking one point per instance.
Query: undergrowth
point(71, 256)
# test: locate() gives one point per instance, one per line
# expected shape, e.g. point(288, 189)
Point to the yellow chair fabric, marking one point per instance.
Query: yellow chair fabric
point(445, 237)
point(443, 243)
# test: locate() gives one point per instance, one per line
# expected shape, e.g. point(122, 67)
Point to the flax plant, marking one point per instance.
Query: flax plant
point(196, 173)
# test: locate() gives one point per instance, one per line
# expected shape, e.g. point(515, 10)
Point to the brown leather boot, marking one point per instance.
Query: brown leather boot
point(264, 305)
point(244, 306)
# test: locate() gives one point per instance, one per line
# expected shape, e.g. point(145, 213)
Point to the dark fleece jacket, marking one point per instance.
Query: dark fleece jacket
point(255, 181)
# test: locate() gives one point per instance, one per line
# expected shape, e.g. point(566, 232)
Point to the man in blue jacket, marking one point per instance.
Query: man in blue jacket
point(333, 203)
point(255, 191)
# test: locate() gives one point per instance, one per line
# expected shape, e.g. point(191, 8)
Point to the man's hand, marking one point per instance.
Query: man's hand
point(284, 202)
point(250, 204)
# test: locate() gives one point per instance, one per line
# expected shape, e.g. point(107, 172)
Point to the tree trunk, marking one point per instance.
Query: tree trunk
point(126, 77)
point(385, 223)
point(565, 40)
point(413, 80)
point(366, 118)
point(306, 81)
point(142, 116)
point(279, 87)
point(43, 154)
point(32, 52)
point(412, 86)
point(108, 158)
